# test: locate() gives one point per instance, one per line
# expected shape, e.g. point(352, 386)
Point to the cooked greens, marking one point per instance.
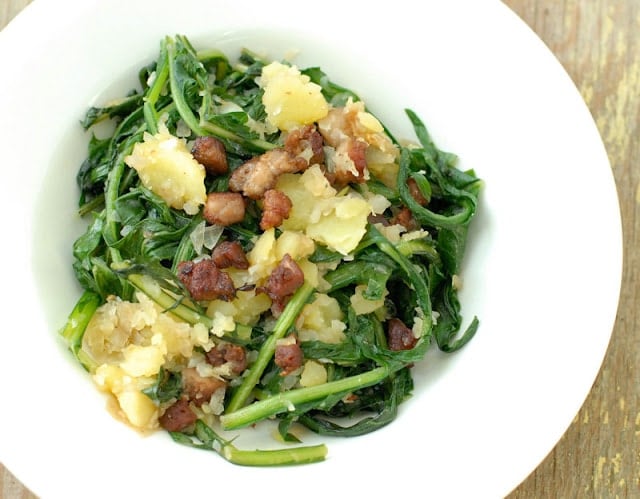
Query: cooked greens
point(370, 230)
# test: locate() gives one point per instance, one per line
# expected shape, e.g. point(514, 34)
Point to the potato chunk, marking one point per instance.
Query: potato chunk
point(290, 98)
point(339, 222)
point(167, 167)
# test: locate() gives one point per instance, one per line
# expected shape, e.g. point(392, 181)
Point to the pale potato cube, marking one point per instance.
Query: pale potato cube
point(296, 244)
point(310, 271)
point(143, 360)
point(250, 306)
point(362, 305)
point(262, 258)
point(343, 227)
point(139, 409)
point(338, 222)
point(166, 166)
point(313, 374)
point(290, 98)
point(321, 320)
point(268, 251)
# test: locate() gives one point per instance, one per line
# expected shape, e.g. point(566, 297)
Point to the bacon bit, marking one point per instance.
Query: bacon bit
point(288, 357)
point(261, 173)
point(205, 281)
point(210, 153)
point(399, 336)
point(224, 208)
point(229, 254)
point(178, 416)
point(276, 207)
point(306, 141)
point(199, 389)
point(228, 352)
point(405, 218)
point(283, 282)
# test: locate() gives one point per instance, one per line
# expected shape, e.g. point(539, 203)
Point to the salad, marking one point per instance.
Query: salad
point(259, 246)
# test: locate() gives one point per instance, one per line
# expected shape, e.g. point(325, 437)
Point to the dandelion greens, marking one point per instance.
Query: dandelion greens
point(259, 246)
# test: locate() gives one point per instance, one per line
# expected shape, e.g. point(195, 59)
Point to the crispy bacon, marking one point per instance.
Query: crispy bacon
point(261, 173)
point(276, 207)
point(306, 142)
point(229, 254)
point(210, 153)
point(178, 416)
point(288, 357)
point(199, 389)
point(205, 281)
point(228, 352)
point(224, 208)
point(399, 336)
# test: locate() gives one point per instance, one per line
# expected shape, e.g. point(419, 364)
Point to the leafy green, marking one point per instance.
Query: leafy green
point(135, 243)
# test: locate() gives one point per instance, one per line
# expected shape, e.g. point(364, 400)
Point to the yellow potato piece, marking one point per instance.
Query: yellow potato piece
point(167, 167)
point(290, 98)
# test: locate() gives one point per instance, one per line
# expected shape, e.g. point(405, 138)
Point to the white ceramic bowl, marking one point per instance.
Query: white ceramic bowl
point(542, 271)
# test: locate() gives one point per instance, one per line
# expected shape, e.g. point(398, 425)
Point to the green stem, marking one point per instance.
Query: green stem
point(181, 104)
point(205, 438)
point(418, 281)
point(284, 323)
point(77, 322)
point(276, 457)
point(168, 302)
point(153, 94)
point(286, 401)
point(422, 214)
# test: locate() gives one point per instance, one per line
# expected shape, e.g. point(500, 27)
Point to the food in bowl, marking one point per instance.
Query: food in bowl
point(259, 246)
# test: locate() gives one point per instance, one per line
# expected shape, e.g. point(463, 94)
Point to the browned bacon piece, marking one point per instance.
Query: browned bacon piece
point(288, 357)
point(261, 173)
point(399, 336)
point(355, 149)
point(178, 416)
point(210, 153)
point(228, 352)
point(205, 281)
point(405, 218)
point(285, 279)
point(198, 389)
point(307, 143)
point(275, 208)
point(224, 208)
point(229, 254)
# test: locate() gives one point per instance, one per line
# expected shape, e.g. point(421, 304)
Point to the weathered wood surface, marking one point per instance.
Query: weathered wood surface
point(598, 43)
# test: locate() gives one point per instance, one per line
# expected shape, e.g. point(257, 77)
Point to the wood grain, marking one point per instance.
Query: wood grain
point(598, 43)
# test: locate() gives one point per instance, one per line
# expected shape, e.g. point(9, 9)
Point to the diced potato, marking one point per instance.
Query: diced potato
point(250, 306)
point(143, 360)
point(269, 251)
point(134, 407)
point(362, 305)
point(130, 342)
point(313, 374)
point(290, 98)
point(321, 320)
point(343, 227)
point(139, 409)
point(295, 244)
point(222, 324)
point(310, 271)
point(166, 167)
point(339, 222)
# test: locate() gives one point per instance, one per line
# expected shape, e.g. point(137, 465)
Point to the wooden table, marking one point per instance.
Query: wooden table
point(598, 43)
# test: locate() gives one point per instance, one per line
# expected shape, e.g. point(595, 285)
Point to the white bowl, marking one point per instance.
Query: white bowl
point(542, 271)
